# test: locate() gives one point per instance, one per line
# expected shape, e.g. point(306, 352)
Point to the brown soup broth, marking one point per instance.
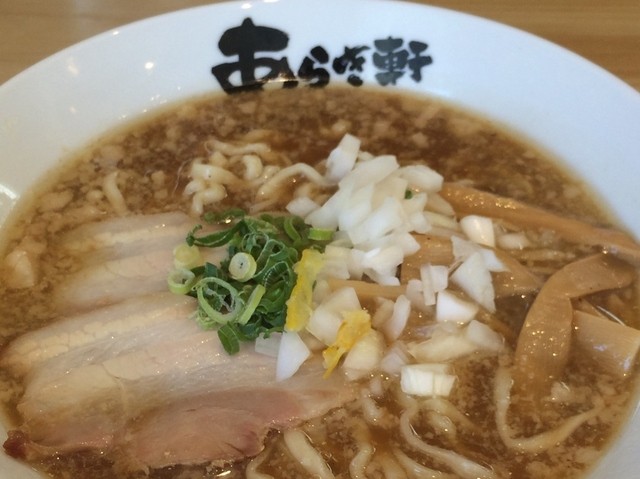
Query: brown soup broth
point(305, 125)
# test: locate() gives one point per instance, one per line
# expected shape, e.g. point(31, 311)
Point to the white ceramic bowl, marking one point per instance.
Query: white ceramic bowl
point(573, 109)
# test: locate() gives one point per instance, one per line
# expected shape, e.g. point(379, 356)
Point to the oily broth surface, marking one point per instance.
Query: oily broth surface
point(304, 125)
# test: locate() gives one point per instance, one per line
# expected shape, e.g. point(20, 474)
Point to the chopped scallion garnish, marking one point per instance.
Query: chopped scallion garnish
point(181, 281)
point(245, 296)
point(242, 266)
point(185, 256)
point(320, 234)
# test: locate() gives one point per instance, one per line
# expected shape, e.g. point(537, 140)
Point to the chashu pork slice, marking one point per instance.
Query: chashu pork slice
point(121, 258)
point(114, 280)
point(228, 425)
point(115, 398)
point(117, 233)
point(99, 334)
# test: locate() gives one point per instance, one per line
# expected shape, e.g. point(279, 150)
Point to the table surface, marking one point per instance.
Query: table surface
point(605, 32)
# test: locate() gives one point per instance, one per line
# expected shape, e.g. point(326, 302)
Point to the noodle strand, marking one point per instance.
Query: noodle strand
point(309, 458)
point(251, 471)
point(417, 470)
point(463, 467)
point(113, 194)
point(359, 463)
point(539, 442)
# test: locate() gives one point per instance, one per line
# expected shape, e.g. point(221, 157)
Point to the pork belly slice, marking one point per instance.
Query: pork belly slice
point(124, 257)
point(157, 372)
point(101, 333)
point(226, 404)
point(119, 232)
point(216, 427)
point(115, 280)
point(223, 427)
point(149, 376)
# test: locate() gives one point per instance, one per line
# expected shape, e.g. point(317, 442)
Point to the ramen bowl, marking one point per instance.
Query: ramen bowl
point(570, 108)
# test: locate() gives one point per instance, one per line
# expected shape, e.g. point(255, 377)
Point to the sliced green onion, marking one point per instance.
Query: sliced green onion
point(187, 257)
point(181, 280)
point(320, 234)
point(211, 315)
point(290, 229)
point(252, 304)
point(224, 217)
point(229, 338)
point(245, 296)
point(242, 267)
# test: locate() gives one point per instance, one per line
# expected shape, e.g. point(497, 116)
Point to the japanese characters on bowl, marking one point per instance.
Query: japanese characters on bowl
point(256, 52)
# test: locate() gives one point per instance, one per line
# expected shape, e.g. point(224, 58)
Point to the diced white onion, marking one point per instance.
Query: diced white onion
point(438, 204)
point(492, 261)
point(474, 278)
point(291, 354)
point(395, 358)
point(416, 204)
point(335, 262)
point(414, 292)
point(419, 222)
point(342, 158)
point(378, 223)
point(364, 356)
point(407, 242)
point(370, 172)
point(451, 308)
point(462, 248)
point(302, 206)
point(364, 156)
point(355, 208)
point(434, 279)
point(442, 221)
point(426, 379)
point(354, 264)
point(383, 262)
point(485, 337)
point(327, 316)
point(443, 384)
point(321, 291)
point(513, 241)
point(391, 187)
point(398, 321)
point(382, 258)
point(442, 347)
point(327, 215)
point(422, 177)
point(324, 324)
point(344, 299)
point(479, 229)
point(384, 310)
point(387, 278)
